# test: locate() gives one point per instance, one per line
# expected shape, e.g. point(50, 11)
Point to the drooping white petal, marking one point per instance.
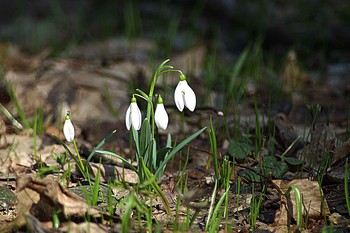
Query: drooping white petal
point(178, 96)
point(127, 118)
point(184, 96)
point(161, 117)
point(135, 116)
point(68, 130)
point(190, 97)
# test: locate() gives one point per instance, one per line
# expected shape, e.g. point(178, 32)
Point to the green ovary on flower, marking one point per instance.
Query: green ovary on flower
point(133, 115)
point(161, 117)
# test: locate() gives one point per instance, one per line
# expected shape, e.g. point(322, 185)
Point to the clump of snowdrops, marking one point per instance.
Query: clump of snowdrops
point(150, 159)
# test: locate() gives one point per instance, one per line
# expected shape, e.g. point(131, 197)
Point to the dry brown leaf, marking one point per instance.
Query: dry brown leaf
point(60, 197)
point(341, 151)
point(111, 172)
point(17, 157)
point(34, 225)
point(41, 197)
point(311, 199)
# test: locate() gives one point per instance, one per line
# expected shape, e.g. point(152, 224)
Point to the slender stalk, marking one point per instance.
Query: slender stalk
point(81, 164)
point(212, 202)
point(346, 186)
point(153, 84)
point(35, 127)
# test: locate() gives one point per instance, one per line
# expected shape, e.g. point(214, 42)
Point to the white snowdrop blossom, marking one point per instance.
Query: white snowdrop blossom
point(133, 115)
point(68, 129)
point(184, 95)
point(161, 116)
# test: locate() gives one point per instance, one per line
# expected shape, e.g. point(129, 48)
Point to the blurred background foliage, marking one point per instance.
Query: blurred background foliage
point(318, 30)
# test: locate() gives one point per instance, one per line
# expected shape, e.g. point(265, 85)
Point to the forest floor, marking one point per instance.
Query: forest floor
point(273, 129)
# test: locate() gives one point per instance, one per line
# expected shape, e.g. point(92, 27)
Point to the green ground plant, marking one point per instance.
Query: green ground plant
point(298, 203)
point(255, 205)
point(150, 159)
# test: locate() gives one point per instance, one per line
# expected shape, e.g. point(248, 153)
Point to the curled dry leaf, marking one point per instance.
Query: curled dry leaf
point(111, 172)
point(59, 197)
point(42, 197)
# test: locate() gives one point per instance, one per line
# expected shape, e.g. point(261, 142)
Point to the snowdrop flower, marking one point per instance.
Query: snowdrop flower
point(133, 115)
point(184, 95)
point(68, 129)
point(161, 117)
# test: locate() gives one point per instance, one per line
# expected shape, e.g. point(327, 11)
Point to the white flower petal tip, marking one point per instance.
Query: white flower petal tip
point(184, 96)
point(133, 116)
point(161, 117)
point(68, 129)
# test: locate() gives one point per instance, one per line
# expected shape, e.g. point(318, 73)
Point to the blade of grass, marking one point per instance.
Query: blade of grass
point(298, 203)
point(346, 186)
point(19, 108)
point(217, 208)
point(81, 169)
point(177, 149)
point(237, 68)
point(155, 186)
point(100, 145)
point(129, 165)
point(11, 117)
point(96, 187)
point(213, 149)
point(213, 196)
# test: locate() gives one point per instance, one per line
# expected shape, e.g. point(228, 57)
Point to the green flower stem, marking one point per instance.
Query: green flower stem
point(150, 109)
point(81, 164)
point(153, 84)
point(162, 69)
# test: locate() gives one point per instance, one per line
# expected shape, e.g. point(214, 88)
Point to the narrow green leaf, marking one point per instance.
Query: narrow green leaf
point(156, 187)
point(218, 205)
point(238, 67)
point(162, 153)
point(76, 160)
point(96, 188)
point(298, 203)
point(86, 193)
point(177, 149)
point(19, 108)
point(154, 153)
point(119, 157)
point(213, 148)
point(11, 117)
point(135, 136)
point(100, 145)
point(143, 94)
point(168, 140)
point(145, 139)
